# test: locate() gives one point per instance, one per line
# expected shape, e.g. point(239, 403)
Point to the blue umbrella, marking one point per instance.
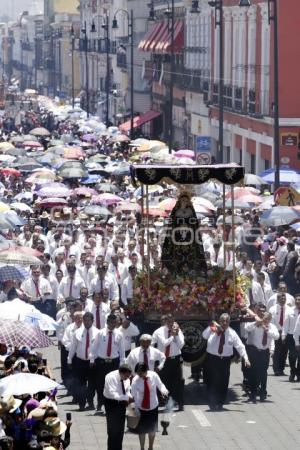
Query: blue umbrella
point(287, 176)
point(279, 215)
point(14, 219)
point(91, 179)
point(10, 273)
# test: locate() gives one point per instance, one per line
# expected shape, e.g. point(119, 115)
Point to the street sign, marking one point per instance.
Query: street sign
point(203, 150)
point(286, 196)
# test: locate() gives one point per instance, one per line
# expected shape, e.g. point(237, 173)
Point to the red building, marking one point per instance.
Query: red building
point(248, 84)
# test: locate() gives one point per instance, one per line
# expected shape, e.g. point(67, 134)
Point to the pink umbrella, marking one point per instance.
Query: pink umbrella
point(73, 153)
point(241, 192)
point(106, 199)
point(85, 191)
point(167, 204)
point(32, 144)
point(185, 154)
point(50, 202)
point(54, 190)
point(128, 206)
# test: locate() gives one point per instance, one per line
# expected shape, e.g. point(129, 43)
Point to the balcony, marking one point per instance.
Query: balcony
point(122, 61)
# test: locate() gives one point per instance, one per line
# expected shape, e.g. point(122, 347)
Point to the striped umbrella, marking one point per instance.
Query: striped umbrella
point(17, 334)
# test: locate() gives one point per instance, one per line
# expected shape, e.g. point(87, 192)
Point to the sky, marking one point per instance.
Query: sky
point(13, 8)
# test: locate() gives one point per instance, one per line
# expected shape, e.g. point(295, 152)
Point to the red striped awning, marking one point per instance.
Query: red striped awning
point(178, 39)
point(151, 33)
point(138, 121)
point(157, 38)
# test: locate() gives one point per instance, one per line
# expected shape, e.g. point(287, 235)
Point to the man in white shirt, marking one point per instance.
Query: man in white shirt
point(127, 286)
point(116, 397)
point(71, 283)
point(107, 352)
point(289, 326)
point(170, 340)
point(146, 354)
point(118, 271)
point(263, 332)
point(36, 288)
point(79, 358)
point(280, 313)
point(282, 289)
point(104, 280)
point(129, 331)
point(255, 292)
point(100, 310)
point(266, 288)
point(221, 339)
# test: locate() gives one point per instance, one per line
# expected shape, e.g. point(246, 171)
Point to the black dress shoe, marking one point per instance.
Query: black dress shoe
point(81, 408)
point(292, 378)
point(180, 408)
point(262, 397)
point(90, 407)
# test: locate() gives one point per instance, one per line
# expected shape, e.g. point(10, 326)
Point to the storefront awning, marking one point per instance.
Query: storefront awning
point(178, 39)
point(138, 121)
point(158, 37)
point(149, 36)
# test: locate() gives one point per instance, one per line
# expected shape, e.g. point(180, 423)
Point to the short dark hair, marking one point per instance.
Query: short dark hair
point(88, 315)
point(141, 367)
point(125, 368)
point(111, 317)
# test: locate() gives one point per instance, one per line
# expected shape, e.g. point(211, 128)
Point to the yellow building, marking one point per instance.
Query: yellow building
point(66, 6)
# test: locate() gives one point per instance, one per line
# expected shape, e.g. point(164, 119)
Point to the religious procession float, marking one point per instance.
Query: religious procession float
point(184, 285)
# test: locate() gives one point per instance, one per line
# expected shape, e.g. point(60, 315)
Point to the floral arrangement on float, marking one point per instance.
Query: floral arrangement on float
point(186, 293)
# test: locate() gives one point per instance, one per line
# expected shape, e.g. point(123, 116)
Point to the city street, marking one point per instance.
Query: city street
point(271, 425)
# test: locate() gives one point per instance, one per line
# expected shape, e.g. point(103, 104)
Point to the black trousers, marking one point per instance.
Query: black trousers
point(293, 355)
point(258, 372)
point(103, 367)
point(218, 373)
point(64, 369)
point(115, 421)
point(172, 377)
point(84, 381)
point(280, 354)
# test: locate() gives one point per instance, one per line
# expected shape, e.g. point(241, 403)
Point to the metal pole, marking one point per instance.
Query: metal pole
point(35, 68)
point(172, 70)
point(224, 226)
point(107, 70)
point(143, 228)
point(87, 73)
point(233, 244)
point(131, 76)
point(73, 81)
point(148, 241)
point(221, 84)
point(59, 66)
point(273, 15)
point(22, 68)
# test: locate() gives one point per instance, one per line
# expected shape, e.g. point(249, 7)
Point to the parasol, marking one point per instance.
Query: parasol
point(72, 172)
point(24, 312)
point(40, 131)
point(106, 199)
point(12, 273)
point(17, 334)
point(85, 191)
point(10, 171)
point(279, 215)
point(56, 190)
point(26, 383)
point(95, 210)
point(22, 207)
point(252, 179)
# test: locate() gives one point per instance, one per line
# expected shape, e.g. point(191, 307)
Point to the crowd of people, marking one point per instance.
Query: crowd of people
point(84, 276)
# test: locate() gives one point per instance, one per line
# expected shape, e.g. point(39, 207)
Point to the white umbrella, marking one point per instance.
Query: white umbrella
point(26, 383)
point(23, 207)
point(19, 310)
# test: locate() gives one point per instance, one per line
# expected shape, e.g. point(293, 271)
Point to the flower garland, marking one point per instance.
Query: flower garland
point(185, 293)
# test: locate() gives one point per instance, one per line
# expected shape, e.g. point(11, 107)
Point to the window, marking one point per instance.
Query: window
point(228, 154)
point(267, 164)
point(240, 157)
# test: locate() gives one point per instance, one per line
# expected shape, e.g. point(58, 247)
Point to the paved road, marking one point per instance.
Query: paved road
point(272, 425)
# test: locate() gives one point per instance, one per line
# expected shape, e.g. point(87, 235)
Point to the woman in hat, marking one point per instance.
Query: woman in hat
point(144, 391)
point(56, 429)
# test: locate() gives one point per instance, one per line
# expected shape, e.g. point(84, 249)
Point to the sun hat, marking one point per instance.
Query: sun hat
point(55, 426)
point(9, 404)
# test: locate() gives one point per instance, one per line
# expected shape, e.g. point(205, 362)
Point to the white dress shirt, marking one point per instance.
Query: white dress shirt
point(78, 344)
point(127, 289)
point(108, 283)
point(257, 293)
point(104, 311)
point(154, 382)
point(296, 334)
point(255, 335)
point(231, 341)
point(276, 314)
point(153, 354)
point(289, 323)
point(70, 287)
point(99, 348)
point(113, 389)
point(37, 289)
point(118, 272)
point(128, 334)
point(68, 335)
point(290, 301)
point(162, 340)
point(63, 320)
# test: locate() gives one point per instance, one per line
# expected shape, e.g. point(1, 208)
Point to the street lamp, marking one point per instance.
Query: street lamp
point(170, 13)
point(72, 35)
point(130, 35)
point(105, 27)
point(218, 5)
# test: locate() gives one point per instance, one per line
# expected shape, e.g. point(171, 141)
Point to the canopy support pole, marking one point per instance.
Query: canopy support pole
point(148, 237)
point(233, 244)
point(224, 228)
point(143, 228)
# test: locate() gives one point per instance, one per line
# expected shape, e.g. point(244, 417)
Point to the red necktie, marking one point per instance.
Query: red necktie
point(146, 358)
point(168, 347)
point(87, 344)
point(109, 344)
point(264, 338)
point(281, 317)
point(146, 398)
point(222, 342)
point(37, 290)
point(98, 322)
point(71, 287)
